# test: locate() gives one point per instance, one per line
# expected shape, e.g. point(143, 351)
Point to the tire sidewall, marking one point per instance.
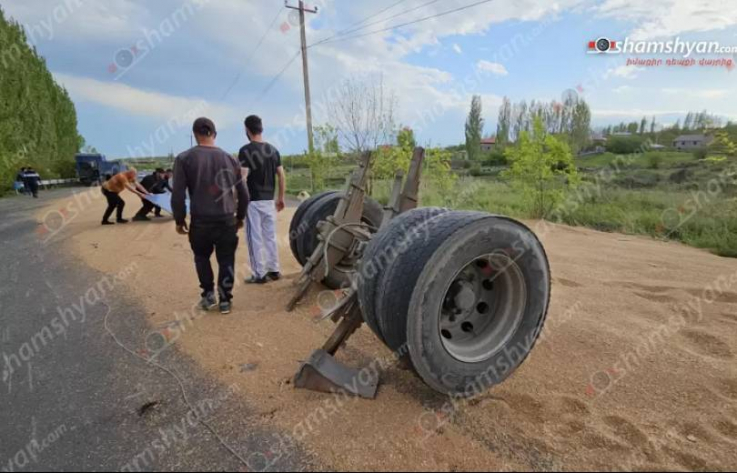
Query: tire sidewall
point(432, 361)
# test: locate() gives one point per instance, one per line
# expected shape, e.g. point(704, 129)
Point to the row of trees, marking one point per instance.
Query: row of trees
point(570, 118)
point(695, 121)
point(38, 121)
point(636, 128)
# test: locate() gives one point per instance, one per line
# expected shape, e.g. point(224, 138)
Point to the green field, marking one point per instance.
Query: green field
point(665, 195)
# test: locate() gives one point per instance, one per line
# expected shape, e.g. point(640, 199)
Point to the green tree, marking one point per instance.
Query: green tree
point(390, 159)
point(504, 126)
point(439, 172)
point(474, 129)
point(323, 158)
point(542, 168)
point(38, 121)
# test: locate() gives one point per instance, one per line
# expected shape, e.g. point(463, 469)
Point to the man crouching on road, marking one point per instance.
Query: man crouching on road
point(219, 200)
point(262, 168)
point(112, 188)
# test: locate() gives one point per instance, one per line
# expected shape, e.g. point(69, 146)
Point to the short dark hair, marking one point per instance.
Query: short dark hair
point(160, 171)
point(254, 125)
point(169, 171)
point(204, 127)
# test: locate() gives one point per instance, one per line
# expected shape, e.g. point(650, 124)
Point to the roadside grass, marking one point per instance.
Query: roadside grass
point(675, 202)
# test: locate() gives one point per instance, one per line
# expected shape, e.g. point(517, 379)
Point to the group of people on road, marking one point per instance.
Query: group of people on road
point(225, 195)
point(28, 181)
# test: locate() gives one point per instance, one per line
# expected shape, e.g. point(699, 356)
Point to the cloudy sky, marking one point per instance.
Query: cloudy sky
point(138, 70)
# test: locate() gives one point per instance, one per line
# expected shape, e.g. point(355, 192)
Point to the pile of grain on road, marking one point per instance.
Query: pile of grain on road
point(636, 371)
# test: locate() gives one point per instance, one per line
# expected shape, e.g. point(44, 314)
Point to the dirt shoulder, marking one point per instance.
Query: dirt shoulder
point(636, 371)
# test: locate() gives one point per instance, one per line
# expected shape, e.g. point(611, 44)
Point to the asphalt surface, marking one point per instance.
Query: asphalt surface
point(73, 400)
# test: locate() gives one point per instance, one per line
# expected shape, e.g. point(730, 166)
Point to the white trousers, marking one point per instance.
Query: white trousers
point(261, 237)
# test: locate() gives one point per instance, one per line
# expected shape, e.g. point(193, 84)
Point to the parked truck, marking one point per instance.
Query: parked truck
point(93, 169)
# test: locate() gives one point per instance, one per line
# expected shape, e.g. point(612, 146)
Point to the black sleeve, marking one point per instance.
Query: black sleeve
point(179, 194)
point(244, 159)
point(243, 198)
point(278, 159)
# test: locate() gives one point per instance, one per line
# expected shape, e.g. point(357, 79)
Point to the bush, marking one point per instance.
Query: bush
point(700, 154)
point(625, 144)
point(655, 161)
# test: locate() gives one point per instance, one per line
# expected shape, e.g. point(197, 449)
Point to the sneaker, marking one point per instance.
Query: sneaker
point(273, 275)
point(106, 222)
point(226, 307)
point(158, 216)
point(122, 220)
point(141, 218)
point(255, 280)
point(208, 303)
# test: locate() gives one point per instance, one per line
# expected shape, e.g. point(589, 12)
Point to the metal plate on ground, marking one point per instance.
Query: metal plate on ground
point(323, 373)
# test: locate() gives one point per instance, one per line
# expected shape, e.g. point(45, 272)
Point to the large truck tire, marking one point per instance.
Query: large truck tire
point(341, 275)
point(297, 228)
point(380, 253)
point(478, 307)
point(395, 286)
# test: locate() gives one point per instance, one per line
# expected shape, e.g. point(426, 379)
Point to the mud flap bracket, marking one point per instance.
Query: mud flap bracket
point(323, 373)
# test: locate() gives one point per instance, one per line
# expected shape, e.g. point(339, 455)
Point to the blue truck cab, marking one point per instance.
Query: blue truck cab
point(94, 169)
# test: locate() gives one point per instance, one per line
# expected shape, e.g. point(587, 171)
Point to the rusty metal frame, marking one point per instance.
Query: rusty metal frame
point(322, 372)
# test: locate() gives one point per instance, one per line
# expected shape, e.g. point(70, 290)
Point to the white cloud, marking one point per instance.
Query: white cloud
point(457, 48)
point(624, 72)
point(699, 93)
point(665, 18)
point(144, 103)
point(492, 67)
point(623, 89)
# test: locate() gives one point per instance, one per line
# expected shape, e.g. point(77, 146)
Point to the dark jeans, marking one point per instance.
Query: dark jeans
point(114, 202)
point(147, 208)
point(33, 188)
point(222, 238)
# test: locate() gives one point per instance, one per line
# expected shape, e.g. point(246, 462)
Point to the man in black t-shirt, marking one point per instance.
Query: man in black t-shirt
point(156, 183)
point(262, 168)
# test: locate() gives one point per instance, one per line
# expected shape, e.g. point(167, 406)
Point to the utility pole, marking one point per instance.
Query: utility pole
point(305, 68)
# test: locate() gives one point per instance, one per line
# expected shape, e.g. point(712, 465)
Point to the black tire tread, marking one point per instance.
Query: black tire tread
point(367, 286)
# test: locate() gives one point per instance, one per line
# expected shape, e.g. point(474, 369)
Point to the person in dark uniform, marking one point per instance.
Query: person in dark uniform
point(218, 204)
point(19, 185)
point(31, 181)
point(156, 183)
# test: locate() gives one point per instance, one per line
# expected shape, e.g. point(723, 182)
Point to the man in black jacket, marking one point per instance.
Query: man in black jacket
point(218, 204)
point(156, 183)
point(31, 181)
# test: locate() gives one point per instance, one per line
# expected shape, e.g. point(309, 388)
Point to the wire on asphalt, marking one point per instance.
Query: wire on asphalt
point(182, 389)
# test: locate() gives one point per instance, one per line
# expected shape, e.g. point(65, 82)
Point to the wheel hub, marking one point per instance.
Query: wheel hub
point(483, 308)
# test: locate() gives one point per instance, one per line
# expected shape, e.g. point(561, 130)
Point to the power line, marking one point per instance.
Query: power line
point(251, 56)
point(350, 30)
point(274, 80)
point(371, 17)
point(438, 15)
point(347, 30)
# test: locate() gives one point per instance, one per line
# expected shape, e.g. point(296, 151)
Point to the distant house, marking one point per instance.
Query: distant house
point(598, 139)
point(488, 145)
point(692, 142)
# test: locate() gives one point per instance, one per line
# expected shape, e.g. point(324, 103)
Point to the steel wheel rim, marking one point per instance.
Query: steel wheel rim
point(483, 308)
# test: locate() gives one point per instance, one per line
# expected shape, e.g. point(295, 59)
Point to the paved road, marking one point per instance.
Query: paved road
point(71, 399)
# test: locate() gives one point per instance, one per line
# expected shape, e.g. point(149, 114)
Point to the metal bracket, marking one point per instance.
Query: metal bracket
point(322, 372)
